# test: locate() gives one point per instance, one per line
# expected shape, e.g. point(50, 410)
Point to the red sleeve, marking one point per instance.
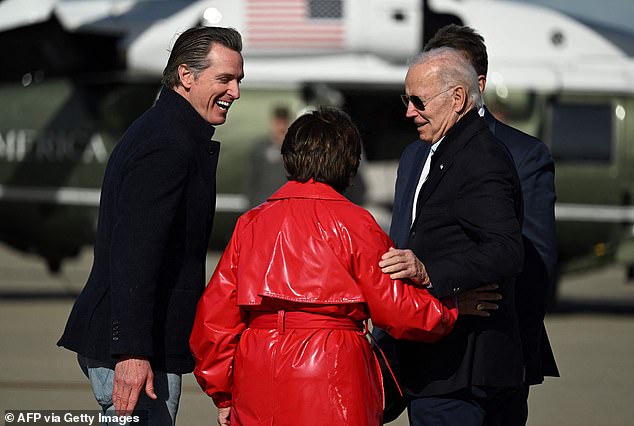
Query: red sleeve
point(400, 308)
point(217, 327)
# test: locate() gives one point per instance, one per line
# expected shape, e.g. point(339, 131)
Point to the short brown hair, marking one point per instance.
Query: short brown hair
point(192, 47)
point(323, 145)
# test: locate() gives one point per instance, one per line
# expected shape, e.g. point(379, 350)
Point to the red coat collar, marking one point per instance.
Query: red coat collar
point(310, 189)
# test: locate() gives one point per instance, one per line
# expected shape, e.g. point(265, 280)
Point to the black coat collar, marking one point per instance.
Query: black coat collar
point(455, 140)
point(179, 106)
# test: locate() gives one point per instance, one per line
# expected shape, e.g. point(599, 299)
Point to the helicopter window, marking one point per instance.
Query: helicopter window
point(581, 133)
point(325, 9)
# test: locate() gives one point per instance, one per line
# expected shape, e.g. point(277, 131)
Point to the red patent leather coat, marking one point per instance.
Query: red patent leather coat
point(311, 255)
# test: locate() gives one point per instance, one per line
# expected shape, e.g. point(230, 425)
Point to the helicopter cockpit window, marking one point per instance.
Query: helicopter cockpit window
point(581, 133)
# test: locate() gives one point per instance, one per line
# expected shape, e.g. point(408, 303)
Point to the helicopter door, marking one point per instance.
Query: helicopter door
point(583, 132)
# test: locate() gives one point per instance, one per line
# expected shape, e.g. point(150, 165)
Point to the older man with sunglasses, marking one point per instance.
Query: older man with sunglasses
point(456, 225)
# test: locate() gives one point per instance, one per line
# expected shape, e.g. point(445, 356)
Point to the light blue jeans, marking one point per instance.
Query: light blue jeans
point(159, 412)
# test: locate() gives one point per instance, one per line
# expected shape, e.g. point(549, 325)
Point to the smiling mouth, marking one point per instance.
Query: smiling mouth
point(224, 105)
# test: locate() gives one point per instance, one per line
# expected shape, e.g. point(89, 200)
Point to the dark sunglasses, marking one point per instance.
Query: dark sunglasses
point(418, 103)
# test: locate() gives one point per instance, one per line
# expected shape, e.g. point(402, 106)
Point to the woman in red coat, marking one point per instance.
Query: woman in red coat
point(279, 335)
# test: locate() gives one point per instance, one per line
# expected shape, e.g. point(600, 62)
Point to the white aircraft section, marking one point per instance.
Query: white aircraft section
point(18, 13)
point(557, 76)
point(520, 30)
point(371, 27)
point(147, 53)
point(370, 43)
point(530, 47)
point(345, 68)
point(95, 15)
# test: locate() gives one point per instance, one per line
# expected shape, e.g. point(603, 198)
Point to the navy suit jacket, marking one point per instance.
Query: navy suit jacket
point(536, 171)
point(155, 217)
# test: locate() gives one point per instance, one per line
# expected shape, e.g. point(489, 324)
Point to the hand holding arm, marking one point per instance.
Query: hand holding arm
point(131, 374)
point(403, 264)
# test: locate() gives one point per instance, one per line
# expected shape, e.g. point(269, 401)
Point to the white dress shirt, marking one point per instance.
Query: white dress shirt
point(423, 176)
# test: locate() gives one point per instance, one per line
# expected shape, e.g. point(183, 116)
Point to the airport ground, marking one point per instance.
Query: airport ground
point(592, 333)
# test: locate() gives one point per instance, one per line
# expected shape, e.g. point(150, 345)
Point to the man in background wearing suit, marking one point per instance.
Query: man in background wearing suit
point(458, 208)
point(130, 325)
point(536, 171)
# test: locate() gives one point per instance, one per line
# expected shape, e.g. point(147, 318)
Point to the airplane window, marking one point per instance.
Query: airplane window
point(581, 132)
point(325, 9)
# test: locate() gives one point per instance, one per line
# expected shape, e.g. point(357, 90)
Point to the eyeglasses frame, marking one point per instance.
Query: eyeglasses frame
point(416, 99)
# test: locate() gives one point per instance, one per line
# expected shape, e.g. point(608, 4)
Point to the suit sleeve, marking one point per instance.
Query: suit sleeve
point(217, 327)
point(403, 310)
point(148, 203)
point(486, 210)
point(537, 174)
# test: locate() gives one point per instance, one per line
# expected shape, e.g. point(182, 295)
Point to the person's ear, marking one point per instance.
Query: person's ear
point(186, 76)
point(459, 98)
point(482, 82)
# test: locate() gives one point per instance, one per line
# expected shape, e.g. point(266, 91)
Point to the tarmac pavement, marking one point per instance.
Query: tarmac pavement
point(592, 333)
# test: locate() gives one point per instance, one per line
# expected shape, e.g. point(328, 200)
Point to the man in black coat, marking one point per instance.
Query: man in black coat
point(131, 323)
point(536, 171)
point(462, 212)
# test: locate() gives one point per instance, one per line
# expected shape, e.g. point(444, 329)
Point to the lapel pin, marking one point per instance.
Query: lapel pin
point(442, 166)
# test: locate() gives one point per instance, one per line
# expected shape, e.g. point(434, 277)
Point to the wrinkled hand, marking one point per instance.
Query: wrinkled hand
point(224, 415)
point(403, 264)
point(130, 376)
point(479, 301)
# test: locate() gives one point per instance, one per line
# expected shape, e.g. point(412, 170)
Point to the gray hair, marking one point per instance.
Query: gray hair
point(452, 69)
point(192, 48)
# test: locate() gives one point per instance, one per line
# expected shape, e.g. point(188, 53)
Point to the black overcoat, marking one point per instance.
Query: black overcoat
point(155, 217)
point(468, 233)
